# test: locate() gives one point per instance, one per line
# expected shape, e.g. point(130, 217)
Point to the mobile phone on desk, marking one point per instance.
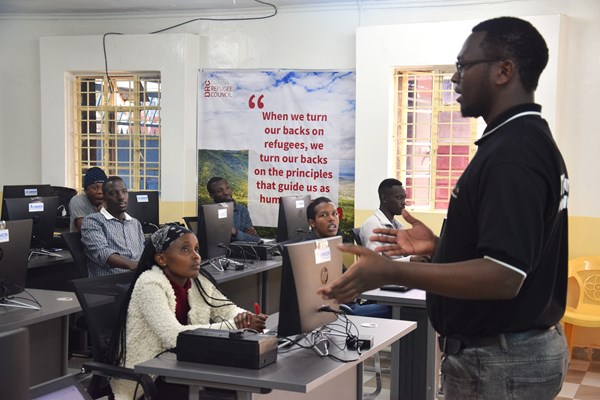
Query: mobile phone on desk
point(395, 288)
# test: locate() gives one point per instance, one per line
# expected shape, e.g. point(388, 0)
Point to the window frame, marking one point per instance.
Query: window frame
point(436, 199)
point(110, 131)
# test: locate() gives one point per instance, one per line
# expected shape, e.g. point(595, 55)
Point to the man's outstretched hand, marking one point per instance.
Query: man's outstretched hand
point(418, 240)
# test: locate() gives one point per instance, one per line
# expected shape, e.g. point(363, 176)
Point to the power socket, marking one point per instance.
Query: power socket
point(363, 342)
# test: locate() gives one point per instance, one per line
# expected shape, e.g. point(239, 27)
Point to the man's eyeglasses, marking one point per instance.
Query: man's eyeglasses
point(461, 65)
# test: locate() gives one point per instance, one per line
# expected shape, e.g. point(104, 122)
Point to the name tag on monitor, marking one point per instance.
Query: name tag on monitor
point(222, 213)
point(142, 198)
point(36, 207)
point(4, 236)
point(300, 203)
point(31, 192)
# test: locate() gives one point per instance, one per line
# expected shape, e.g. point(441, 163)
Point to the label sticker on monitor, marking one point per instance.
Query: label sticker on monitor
point(142, 198)
point(31, 192)
point(322, 255)
point(222, 213)
point(36, 207)
point(4, 236)
point(300, 203)
point(322, 251)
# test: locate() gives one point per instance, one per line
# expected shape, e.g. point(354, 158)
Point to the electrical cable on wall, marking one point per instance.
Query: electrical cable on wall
point(271, 15)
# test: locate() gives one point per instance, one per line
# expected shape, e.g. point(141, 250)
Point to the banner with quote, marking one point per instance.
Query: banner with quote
point(275, 133)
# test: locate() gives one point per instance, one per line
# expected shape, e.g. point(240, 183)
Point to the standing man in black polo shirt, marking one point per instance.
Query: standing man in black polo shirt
point(496, 287)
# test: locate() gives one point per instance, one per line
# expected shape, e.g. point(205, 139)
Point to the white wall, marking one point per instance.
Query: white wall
point(380, 49)
point(320, 38)
point(175, 56)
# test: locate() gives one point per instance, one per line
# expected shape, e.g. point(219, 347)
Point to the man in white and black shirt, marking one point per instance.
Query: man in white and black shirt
point(392, 200)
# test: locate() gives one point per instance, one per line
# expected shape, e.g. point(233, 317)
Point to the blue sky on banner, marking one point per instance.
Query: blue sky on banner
point(227, 127)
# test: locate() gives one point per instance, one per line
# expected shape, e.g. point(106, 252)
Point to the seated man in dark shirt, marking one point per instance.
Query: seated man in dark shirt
point(243, 230)
point(324, 221)
point(90, 201)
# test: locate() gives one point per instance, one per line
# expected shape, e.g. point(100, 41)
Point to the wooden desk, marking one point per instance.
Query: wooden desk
point(296, 374)
point(256, 282)
point(413, 359)
point(48, 331)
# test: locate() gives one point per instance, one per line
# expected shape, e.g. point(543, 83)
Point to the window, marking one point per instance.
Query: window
point(117, 128)
point(434, 143)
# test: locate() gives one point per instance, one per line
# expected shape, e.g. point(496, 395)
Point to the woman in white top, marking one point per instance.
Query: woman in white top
point(170, 294)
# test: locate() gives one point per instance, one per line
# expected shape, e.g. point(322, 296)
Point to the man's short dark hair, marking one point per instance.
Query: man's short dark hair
point(212, 180)
point(310, 210)
point(388, 184)
point(509, 38)
point(109, 181)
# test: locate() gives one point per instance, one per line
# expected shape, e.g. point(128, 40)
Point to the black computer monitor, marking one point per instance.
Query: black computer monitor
point(64, 194)
point(143, 206)
point(215, 222)
point(14, 252)
point(17, 191)
point(20, 191)
point(306, 267)
point(292, 223)
point(42, 210)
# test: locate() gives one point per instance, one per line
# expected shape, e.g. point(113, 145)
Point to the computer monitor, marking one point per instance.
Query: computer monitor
point(191, 223)
point(20, 191)
point(16, 191)
point(143, 206)
point(306, 267)
point(292, 223)
point(64, 194)
point(215, 222)
point(42, 210)
point(14, 252)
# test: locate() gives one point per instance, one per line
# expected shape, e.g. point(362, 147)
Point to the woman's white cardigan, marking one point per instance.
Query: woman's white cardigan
point(152, 327)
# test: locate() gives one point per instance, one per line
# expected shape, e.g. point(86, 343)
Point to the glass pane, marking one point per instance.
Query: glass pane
point(122, 112)
point(431, 123)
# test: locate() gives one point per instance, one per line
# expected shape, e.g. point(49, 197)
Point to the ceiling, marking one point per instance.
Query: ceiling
point(98, 7)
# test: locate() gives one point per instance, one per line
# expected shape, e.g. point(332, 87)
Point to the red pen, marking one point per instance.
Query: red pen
point(256, 309)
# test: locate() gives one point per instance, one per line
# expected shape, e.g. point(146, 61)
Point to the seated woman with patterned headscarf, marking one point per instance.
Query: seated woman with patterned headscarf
point(171, 294)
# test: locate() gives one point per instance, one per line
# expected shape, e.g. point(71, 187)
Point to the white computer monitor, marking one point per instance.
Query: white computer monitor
point(307, 266)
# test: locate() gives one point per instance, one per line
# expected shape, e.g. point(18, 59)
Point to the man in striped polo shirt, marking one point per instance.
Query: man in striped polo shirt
point(113, 240)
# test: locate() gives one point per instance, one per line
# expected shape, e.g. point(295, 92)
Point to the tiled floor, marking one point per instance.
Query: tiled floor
point(582, 381)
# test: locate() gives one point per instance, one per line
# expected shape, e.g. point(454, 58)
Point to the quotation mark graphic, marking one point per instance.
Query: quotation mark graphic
point(259, 103)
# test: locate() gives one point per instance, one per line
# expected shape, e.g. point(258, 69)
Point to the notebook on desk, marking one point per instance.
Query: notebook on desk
point(63, 388)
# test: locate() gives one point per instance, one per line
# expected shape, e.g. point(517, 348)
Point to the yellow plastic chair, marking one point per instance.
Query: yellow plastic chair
point(583, 296)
